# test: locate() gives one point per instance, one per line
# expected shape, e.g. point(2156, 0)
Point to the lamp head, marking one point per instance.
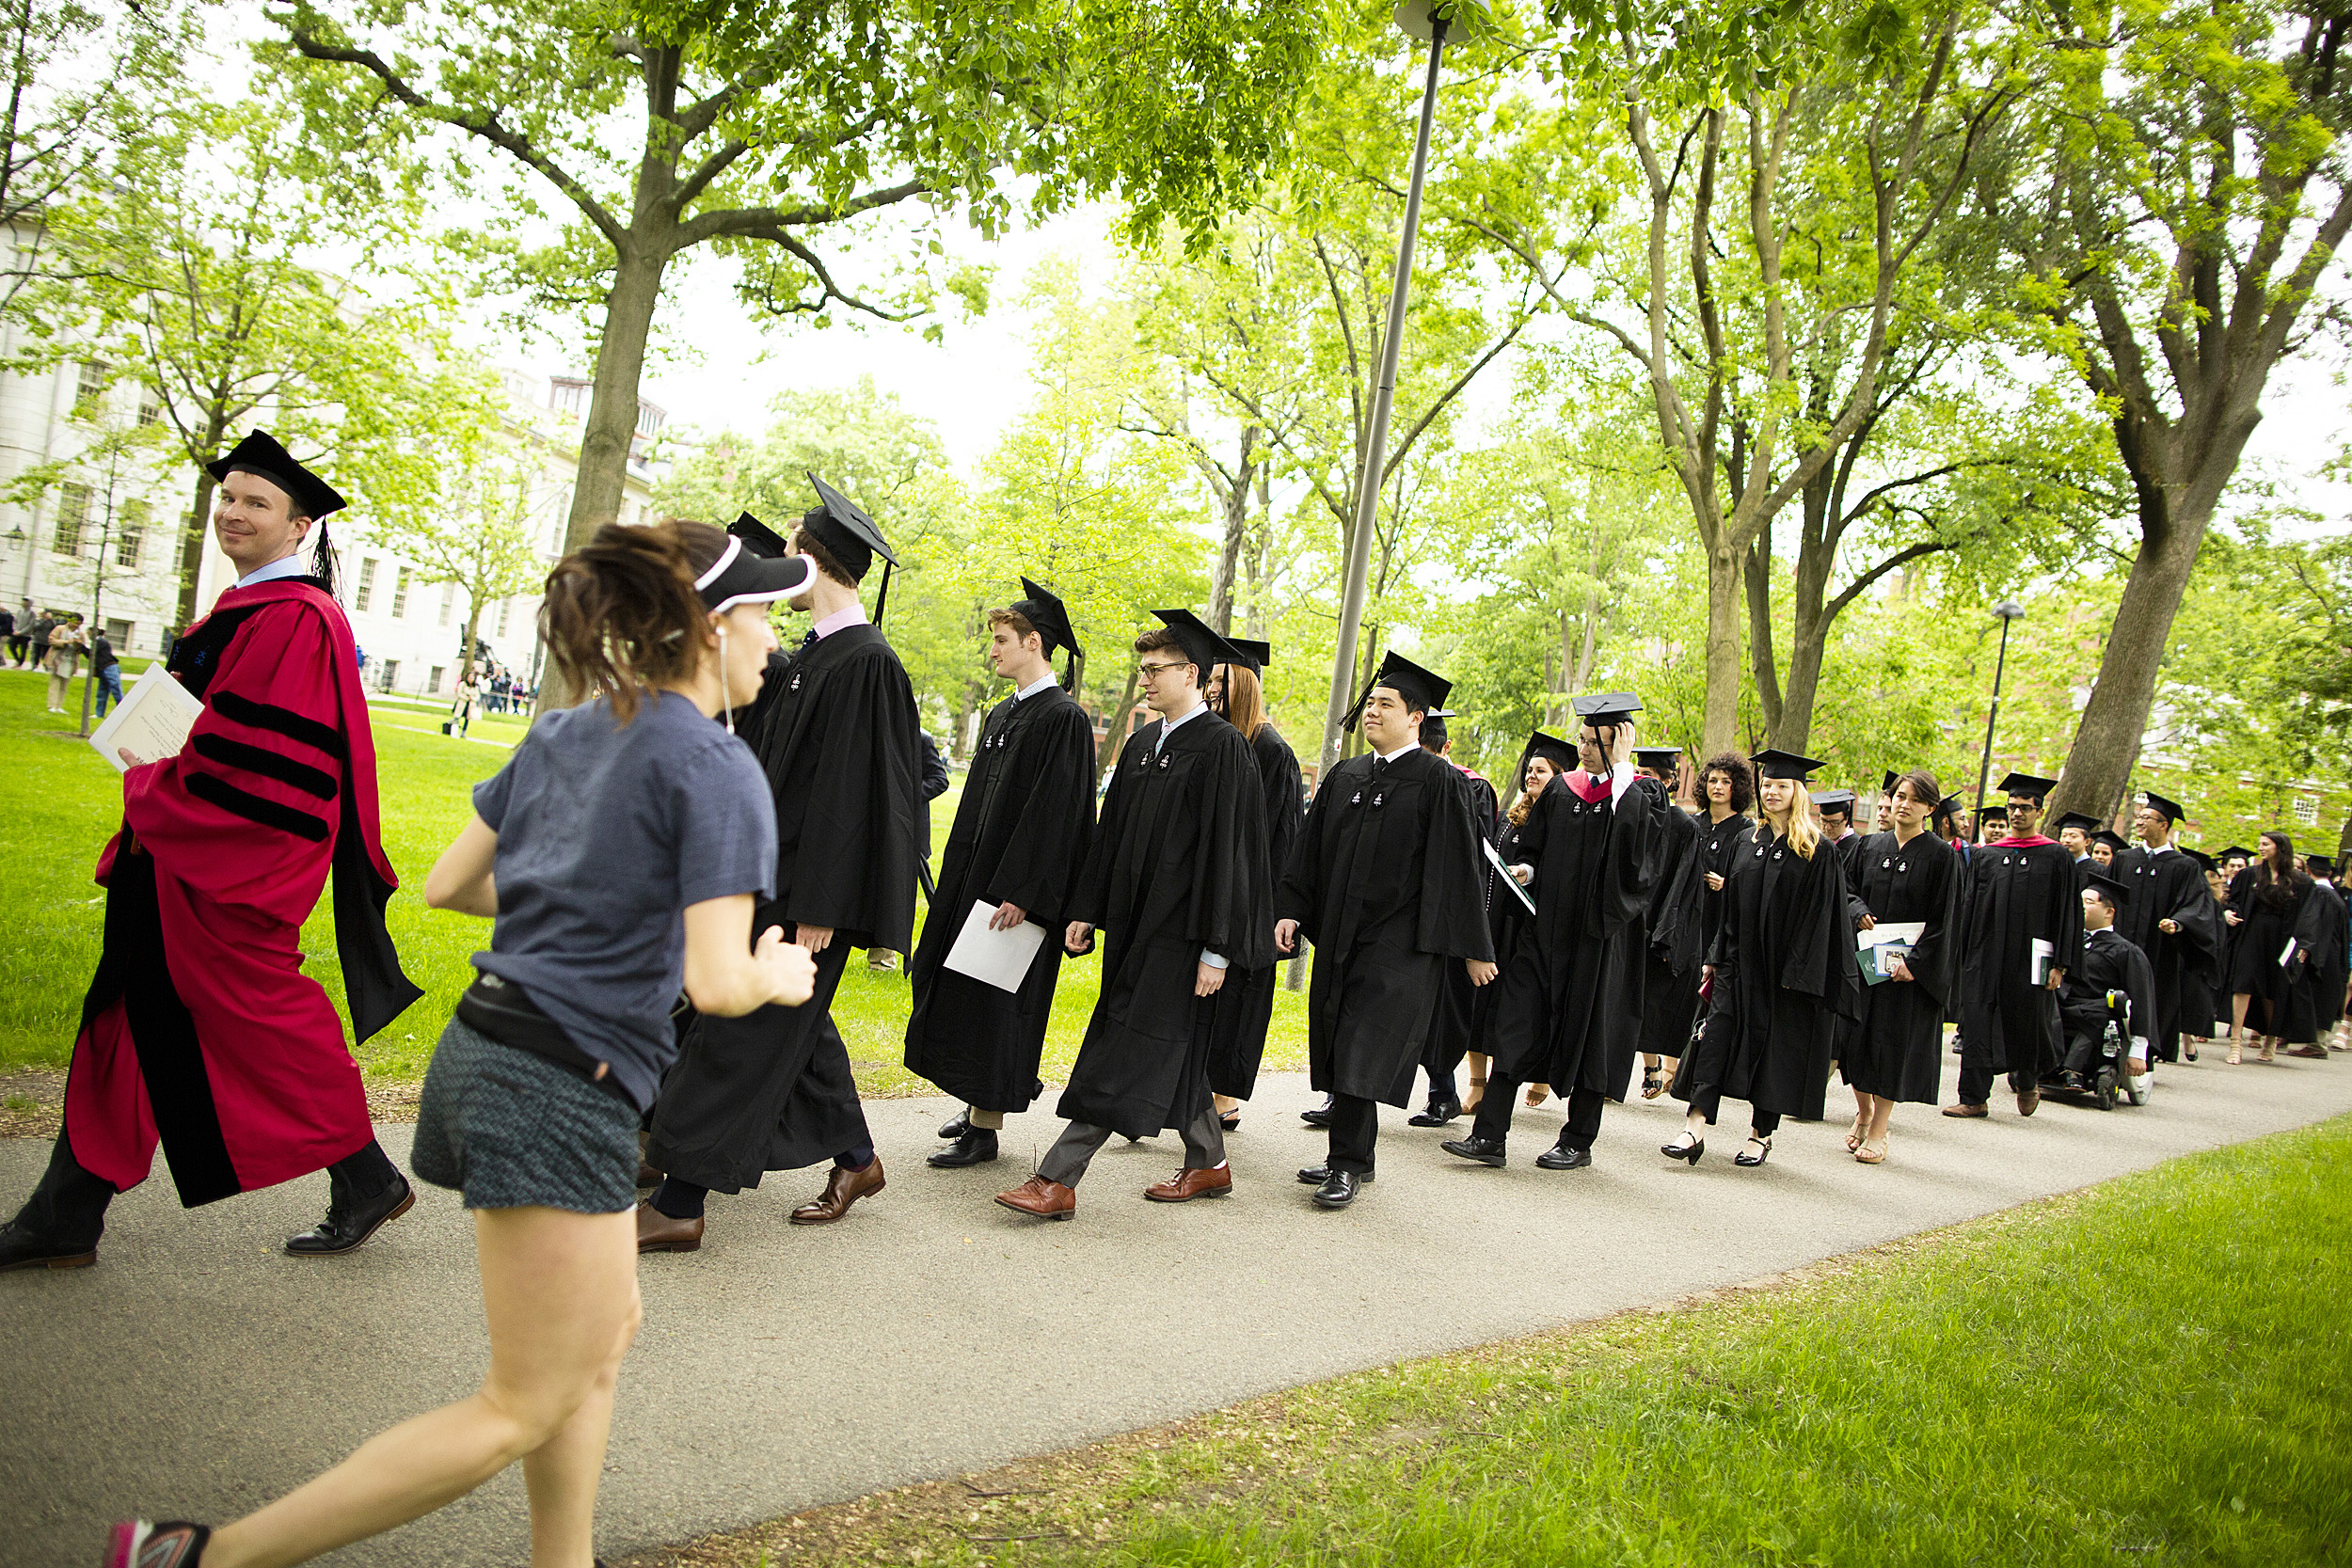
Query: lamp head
point(1462, 18)
point(2008, 610)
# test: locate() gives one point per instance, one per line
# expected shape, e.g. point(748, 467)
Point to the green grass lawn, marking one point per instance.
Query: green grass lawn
point(2158, 1370)
point(66, 801)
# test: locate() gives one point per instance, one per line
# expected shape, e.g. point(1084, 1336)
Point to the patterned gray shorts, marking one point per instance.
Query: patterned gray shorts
point(513, 1130)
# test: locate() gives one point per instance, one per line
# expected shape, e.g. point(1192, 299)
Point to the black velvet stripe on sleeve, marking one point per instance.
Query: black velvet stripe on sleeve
point(270, 764)
point(279, 720)
point(269, 813)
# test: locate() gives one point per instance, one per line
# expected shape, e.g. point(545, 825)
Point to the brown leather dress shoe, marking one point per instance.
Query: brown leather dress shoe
point(1047, 1200)
point(842, 1188)
point(1964, 1109)
point(658, 1232)
point(1188, 1184)
point(2028, 1102)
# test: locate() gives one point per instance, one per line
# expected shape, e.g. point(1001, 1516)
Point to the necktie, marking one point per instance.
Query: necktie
point(1379, 767)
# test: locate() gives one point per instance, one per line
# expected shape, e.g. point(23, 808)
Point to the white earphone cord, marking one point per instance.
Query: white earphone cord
point(723, 676)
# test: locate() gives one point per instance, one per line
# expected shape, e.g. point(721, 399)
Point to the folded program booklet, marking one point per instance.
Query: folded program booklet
point(1001, 959)
point(151, 722)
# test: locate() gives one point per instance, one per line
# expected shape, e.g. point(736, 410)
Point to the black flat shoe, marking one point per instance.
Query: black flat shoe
point(1441, 1112)
point(1316, 1119)
point(1315, 1176)
point(1741, 1158)
point(978, 1146)
point(956, 1126)
point(1484, 1151)
point(347, 1229)
point(1690, 1151)
point(1338, 1190)
point(1562, 1157)
point(21, 1248)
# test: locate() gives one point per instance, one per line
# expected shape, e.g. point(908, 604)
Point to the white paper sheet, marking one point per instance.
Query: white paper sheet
point(2038, 964)
point(2286, 954)
point(1001, 959)
point(151, 722)
point(1508, 880)
point(1885, 931)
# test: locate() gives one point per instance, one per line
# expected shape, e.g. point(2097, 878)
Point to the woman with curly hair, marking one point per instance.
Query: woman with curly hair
point(2265, 900)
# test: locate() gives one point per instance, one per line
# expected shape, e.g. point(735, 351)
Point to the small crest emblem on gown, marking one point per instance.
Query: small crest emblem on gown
point(1356, 798)
point(1164, 760)
point(796, 683)
point(1380, 798)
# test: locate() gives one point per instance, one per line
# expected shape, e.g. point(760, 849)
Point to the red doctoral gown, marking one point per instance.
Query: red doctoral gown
point(200, 1026)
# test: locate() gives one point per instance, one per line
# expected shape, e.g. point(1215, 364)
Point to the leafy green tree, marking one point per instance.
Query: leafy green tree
point(481, 536)
point(665, 127)
point(2177, 194)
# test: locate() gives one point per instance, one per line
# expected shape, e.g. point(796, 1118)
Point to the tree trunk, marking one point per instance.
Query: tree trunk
point(1115, 733)
point(1721, 732)
point(612, 424)
point(1808, 639)
point(1229, 555)
point(192, 546)
point(473, 622)
point(1755, 575)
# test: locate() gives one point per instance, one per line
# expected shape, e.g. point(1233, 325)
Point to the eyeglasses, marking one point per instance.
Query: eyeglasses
point(1153, 671)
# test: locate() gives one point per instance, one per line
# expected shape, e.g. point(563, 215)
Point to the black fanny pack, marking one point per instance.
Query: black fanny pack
point(498, 1011)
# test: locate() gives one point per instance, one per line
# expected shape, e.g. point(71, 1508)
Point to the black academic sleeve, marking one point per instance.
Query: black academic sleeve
point(854, 868)
point(1046, 847)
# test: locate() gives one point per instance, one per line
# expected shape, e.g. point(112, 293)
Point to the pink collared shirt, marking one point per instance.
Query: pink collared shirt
point(841, 620)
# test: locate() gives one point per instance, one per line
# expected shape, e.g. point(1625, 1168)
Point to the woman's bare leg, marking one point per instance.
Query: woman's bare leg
point(1881, 1113)
point(559, 1292)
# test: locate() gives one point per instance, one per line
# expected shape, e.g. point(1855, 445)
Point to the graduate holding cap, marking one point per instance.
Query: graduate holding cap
point(1674, 942)
point(200, 1028)
point(1385, 883)
point(1780, 975)
point(1177, 883)
point(1020, 837)
point(834, 727)
point(1243, 1006)
point(1570, 1011)
point(2171, 917)
point(2023, 930)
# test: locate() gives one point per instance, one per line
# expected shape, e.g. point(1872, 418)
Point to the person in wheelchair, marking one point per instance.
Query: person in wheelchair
point(2113, 981)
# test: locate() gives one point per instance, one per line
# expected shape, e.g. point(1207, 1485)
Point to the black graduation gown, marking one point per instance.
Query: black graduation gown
point(1675, 1018)
point(1570, 1013)
point(2016, 893)
point(2168, 886)
point(834, 726)
point(1384, 882)
point(2205, 993)
point(2109, 962)
point(1243, 1007)
point(2268, 917)
point(1178, 866)
point(1020, 837)
point(1785, 973)
point(1896, 1049)
point(1454, 1009)
point(2321, 934)
point(1505, 917)
point(1670, 957)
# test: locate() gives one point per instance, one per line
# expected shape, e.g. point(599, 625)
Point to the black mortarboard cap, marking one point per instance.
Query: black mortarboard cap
point(2204, 862)
point(1773, 764)
point(2116, 890)
point(2112, 839)
point(1994, 813)
point(1606, 707)
point(1949, 803)
point(1042, 608)
point(1202, 642)
point(1420, 687)
point(2241, 851)
point(2171, 809)
point(850, 536)
point(1838, 800)
point(2027, 786)
point(2077, 819)
point(2320, 865)
point(1886, 784)
point(758, 538)
point(260, 454)
point(1562, 753)
point(1656, 756)
point(1255, 654)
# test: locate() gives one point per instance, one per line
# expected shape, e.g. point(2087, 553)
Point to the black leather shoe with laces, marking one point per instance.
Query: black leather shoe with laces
point(1485, 1151)
point(1338, 1190)
point(22, 1248)
point(347, 1229)
point(1563, 1157)
point(956, 1126)
point(978, 1146)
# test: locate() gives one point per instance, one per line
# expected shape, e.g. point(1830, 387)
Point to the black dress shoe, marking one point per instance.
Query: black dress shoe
point(978, 1146)
point(1764, 1147)
point(1315, 1176)
point(348, 1229)
point(1485, 1151)
point(21, 1248)
point(1440, 1113)
point(1338, 1190)
point(1320, 1117)
point(957, 1126)
point(1563, 1157)
point(1690, 1151)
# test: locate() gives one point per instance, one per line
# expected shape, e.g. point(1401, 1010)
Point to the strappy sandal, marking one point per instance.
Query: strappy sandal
point(1477, 1093)
point(1653, 1083)
point(1854, 1134)
point(2267, 1057)
point(2233, 1058)
point(1871, 1151)
point(1538, 1094)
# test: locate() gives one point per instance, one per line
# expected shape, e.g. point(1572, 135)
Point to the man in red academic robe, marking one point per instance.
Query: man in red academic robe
point(200, 1028)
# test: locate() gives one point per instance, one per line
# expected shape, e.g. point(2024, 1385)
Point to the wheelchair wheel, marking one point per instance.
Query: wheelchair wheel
point(2106, 1088)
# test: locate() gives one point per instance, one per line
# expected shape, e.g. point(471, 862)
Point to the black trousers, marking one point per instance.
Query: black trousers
point(1976, 1076)
point(1710, 1099)
point(1354, 1127)
point(1503, 1098)
point(69, 1204)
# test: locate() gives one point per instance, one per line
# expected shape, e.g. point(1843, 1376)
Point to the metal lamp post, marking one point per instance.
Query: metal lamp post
point(2007, 610)
point(1429, 19)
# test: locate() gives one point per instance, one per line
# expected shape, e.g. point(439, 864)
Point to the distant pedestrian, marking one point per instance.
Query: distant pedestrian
point(64, 663)
point(35, 624)
point(20, 648)
point(461, 712)
point(106, 671)
point(7, 629)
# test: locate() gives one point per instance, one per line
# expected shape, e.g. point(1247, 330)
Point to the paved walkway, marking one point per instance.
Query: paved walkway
point(197, 1373)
